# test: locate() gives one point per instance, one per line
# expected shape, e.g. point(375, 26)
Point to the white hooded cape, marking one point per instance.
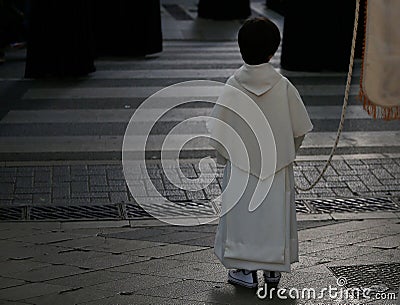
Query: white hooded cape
point(279, 102)
point(266, 238)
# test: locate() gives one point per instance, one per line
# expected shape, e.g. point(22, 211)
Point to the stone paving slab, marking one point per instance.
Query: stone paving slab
point(151, 267)
point(168, 271)
point(30, 290)
point(90, 278)
point(228, 294)
point(132, 284)
point(142, 299)
point(70, 296)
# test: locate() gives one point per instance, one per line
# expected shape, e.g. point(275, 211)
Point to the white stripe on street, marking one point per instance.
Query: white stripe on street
point(171, 43)
point(123, 92)
point(160, 61)
point(196, 74)
point(174, 115)
point(353, 139)
point(114, 143)
point(299, 158)
point(144, 92)
point(203, 53)
point(200, 48)
point(203, 56)
point(157, 73)
point(189, 74)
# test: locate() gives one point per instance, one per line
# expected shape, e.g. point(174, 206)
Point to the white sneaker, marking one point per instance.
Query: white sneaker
point(272, 277)
point(243, 277)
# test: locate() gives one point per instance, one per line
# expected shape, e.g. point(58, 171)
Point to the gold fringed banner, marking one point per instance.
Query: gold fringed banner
point(380, 72)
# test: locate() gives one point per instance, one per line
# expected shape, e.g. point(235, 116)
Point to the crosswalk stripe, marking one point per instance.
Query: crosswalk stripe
point(197, 73)
point(192, 74)
point(202, 56)
point(174, 115)
point(203, 53)
point(92, 129)
point(205, 50)
point(158, 73)
point(123, 92)
point(198, 43)
point(187, 91)
point(353, 139)
point(114, 143)
point(160, 61)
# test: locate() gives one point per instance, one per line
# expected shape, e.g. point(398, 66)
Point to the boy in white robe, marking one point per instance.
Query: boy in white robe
point(266, 238)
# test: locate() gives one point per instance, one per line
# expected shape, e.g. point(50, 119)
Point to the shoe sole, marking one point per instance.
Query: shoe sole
point(241, 283)
point(272, 281)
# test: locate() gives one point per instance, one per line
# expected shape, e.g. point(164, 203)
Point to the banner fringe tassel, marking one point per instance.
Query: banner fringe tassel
point(386, 113)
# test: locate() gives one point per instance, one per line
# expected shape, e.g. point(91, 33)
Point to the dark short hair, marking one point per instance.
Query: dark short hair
point(258, 39)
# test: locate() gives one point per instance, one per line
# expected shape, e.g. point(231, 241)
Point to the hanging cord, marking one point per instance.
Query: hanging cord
point(345, 102)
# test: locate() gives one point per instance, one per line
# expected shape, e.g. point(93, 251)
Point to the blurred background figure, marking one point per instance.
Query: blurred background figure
point(12, 25)
point(224, 9)
point(127, 28)
point(60, 39)
point(66, 36)
point(317, 34)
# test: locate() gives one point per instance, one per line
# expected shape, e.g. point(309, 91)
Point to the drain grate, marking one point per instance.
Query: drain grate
point(12, 213)
point(352, 205)
point(366, 276)
point(183, 208)
point(109, 211)
point(135, 211)
point(301, 207)
point(200, 208)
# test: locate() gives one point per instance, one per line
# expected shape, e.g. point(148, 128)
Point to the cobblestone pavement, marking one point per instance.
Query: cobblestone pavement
point(100, 183)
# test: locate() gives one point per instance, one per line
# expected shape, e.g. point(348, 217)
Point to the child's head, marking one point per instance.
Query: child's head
point(258, 39)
